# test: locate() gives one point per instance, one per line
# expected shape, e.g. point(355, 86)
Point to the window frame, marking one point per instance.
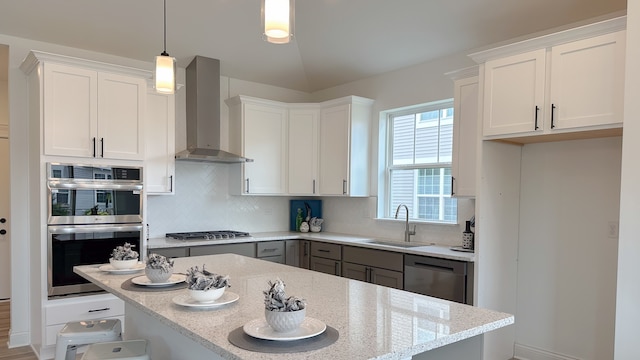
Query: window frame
point(386, 136)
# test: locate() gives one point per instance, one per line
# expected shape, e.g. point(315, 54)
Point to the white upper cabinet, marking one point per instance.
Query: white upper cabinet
point(514, 93)
point(564, 85)
point(303, 149)
point(160, 143)
point(587, 82)
point(465, 139)
point(345, 129)
point(262, 128)
point(88, 113)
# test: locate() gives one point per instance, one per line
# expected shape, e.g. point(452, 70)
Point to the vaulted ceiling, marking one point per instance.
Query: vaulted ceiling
point(336, 41)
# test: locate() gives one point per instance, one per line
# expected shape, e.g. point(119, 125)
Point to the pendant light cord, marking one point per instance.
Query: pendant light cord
point(164, 49)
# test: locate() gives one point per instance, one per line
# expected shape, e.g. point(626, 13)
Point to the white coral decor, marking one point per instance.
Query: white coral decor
point(205, 280)
point(275, 298)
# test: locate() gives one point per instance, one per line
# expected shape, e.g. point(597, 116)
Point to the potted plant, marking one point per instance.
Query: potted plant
point(205, 286)
point(123, 257)
point(158, 268)
point(282, 313)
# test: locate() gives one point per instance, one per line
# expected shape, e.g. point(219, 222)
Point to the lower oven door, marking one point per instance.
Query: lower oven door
point(72, 245)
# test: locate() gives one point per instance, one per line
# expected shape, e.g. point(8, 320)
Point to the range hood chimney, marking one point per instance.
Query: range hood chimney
point(203, 114)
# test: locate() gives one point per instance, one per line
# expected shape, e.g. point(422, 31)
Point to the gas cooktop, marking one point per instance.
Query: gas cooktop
point(208, 235)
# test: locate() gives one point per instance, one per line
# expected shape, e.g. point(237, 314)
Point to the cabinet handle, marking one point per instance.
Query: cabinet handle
point(553, 107)
point(536, 123)
point(99, 310)
point(306, 251)
point(171, 183)
point(94, 146)
point(344, 187)
point(314, 186)
point(367, 274)
point(452, 181)
point(372, 275)
point(324, 250)
point(337, 268)
point(269, 250)
point(101, 147)
point(247, 191)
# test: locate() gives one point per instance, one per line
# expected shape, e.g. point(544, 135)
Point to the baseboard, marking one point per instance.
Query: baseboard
point(18, 339)
point(523, 352)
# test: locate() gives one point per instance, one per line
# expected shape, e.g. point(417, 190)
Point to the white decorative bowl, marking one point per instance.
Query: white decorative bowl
point(284, 321)
point(157, 275)
point(123, 264)
point(205, 296)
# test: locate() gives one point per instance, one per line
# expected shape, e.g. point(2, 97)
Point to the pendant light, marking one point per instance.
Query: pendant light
point(165, 73)
point(278, 20)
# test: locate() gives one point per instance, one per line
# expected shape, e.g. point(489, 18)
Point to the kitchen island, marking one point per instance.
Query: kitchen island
point(373, 322)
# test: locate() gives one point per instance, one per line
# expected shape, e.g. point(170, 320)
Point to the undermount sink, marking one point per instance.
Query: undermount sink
point(396, 244)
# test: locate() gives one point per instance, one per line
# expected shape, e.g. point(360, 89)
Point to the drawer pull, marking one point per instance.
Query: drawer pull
point(324, 250)
point(99, 310)
point(269, 250)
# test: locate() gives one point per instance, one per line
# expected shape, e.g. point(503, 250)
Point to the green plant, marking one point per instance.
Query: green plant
point(124, 252)
point(275, 298)
point(157, 261)
point(205, 280)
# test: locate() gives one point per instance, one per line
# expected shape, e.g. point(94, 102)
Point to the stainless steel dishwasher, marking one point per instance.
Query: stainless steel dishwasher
point(441, 278)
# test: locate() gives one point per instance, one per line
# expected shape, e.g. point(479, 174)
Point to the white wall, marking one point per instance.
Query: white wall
point(569, 194)
point(628, 290)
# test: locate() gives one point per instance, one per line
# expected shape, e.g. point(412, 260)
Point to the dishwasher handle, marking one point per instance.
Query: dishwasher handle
point(436, 264)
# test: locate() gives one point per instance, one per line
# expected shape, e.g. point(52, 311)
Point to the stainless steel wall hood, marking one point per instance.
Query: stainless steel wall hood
point(203, 114)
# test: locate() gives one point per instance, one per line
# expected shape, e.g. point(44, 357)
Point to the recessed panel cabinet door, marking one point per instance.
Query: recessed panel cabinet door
point(160, 143)
point(587, 82)
point(121, 109)
point(513, 88)
point(303, 151)
point(334, 150)
point(265, 141)
point(70, 110)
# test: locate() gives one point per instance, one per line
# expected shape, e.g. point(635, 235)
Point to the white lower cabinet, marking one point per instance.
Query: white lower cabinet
point(61, 311)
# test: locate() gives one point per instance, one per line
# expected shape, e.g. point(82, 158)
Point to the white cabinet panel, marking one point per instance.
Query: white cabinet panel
point(334, 150)
point(587, 79)
point(92, 114)
point(160, 143)
point(303, 150)
point(514, 87)
point(465, 125)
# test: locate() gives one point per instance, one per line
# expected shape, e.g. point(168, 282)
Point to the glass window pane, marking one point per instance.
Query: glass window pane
point(427, 145)
point(450, 209)
point(428, 182)
point(447, 182)
point(402, 189)
point(429, 116)
point(428, 208)
point(403, 138)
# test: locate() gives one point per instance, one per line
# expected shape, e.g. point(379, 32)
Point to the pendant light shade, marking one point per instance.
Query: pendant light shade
point(165, 74)
point(278, 20)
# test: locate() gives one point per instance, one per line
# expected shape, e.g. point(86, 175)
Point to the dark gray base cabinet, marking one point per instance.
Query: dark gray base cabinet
point(246, 249)
point(327, 266)
point(378, 276)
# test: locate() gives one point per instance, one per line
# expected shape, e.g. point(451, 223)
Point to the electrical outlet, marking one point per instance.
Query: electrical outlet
point(613, 229)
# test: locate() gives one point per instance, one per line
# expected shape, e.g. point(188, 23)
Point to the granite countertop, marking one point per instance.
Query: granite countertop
point(439, 251)
point(374, 322)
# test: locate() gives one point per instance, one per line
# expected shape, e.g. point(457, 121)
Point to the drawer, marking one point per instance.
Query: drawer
point(270, 248)
point(371, 257)
point(83, 308)
point(326, 250)
point(171, 252)
point(276, 259)
point(51, 331)
point(245, 249)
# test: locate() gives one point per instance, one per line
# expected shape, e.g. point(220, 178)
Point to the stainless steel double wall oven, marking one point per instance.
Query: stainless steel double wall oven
point(91, 210)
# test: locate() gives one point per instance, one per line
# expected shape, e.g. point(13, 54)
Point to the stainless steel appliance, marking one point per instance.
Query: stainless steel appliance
point(208, 235)
point(441, 278)
point(91, 210)
point(84, 194)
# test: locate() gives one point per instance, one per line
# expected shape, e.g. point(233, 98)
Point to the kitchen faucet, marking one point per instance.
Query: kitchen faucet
point(407, 232)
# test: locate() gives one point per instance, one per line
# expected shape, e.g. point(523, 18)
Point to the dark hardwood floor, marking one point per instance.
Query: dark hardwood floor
point(20, 353)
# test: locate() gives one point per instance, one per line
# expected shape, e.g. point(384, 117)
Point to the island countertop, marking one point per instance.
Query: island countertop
point(373, 322)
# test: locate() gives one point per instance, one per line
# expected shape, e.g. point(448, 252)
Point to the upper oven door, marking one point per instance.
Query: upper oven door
point(93, 195)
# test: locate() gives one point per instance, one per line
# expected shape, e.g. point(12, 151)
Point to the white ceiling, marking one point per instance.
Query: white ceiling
point(336, 41)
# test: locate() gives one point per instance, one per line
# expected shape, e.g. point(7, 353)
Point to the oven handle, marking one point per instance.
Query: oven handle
point(78, 229)
point(58, 184)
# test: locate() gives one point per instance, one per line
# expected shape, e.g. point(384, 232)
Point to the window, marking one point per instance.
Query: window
point(418, 162)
